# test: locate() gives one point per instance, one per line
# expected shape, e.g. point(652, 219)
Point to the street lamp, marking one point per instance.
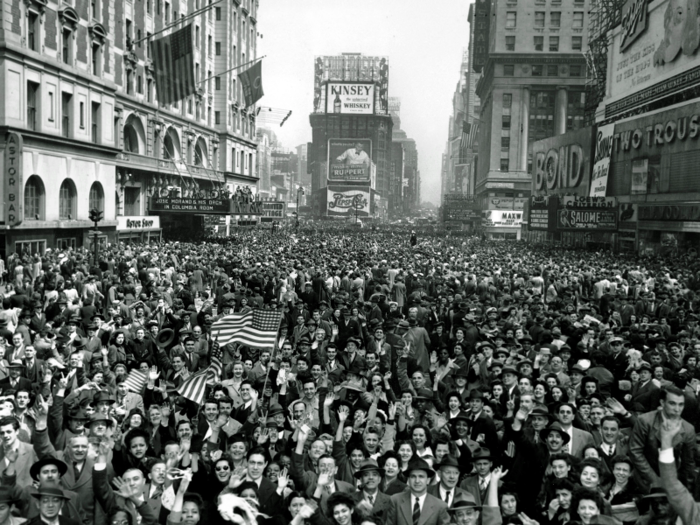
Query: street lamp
point(300, 191)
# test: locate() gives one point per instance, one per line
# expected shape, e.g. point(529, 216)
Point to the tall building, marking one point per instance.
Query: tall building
point(350, 154)
point(456, 180)
point(79, 90)
point(302, 166)
point(404, 191)
point(532, 87)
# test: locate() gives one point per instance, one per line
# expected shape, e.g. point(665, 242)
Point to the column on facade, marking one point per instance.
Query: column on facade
point(560, 111)
point(524, 127)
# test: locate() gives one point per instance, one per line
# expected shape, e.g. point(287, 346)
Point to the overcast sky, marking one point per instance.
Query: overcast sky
point(423, 40)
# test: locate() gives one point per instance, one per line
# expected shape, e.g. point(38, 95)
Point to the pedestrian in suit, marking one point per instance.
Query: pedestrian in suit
point(268, 497)
point(50, 513)
point(580, 439)
point(644, 392)
point(465, 506)
point(14, 381)
point(33, 368)
point(416, 506)
point(447, 489)
point(478, 484)
point(370, 496)
point(15, 451)
point(8, 498)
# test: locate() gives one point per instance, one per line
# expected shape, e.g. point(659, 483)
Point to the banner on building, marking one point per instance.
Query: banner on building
point(350, 98)
point(251, 82)
point(502, 219)
point(482, 26)
point(14, 180)
point(348, 201)
point(574, 201)
point(601, 160)
point(640, 174)
point(349, 160)
point(173, 63)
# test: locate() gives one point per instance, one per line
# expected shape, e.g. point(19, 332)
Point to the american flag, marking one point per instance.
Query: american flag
point(136, 380)
point(255, 328)
point(194, 388)
point(173, 61)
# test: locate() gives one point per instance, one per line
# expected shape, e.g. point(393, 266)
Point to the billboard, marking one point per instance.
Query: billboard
point(654, 53)
point(601, 161)
point(502, 219)
point(542, 212)
point(353, 68)
point(459, 207)
point(350, 98)
point(273, 211)
point(482, 26)
point(348, 201)
point(600, 219)
point(562, 164)
point(349, 160)
point(190, 205)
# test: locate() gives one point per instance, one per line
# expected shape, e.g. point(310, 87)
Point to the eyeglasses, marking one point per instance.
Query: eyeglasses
point(223, 468)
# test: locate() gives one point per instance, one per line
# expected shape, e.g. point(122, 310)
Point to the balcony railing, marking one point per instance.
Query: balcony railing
point(31, 118)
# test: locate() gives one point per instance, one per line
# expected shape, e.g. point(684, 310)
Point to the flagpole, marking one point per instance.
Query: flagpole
point(232, 69)
point(267, 375)
point(174, 24)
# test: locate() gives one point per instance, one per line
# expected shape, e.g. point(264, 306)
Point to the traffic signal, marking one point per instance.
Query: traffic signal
point(95, 215)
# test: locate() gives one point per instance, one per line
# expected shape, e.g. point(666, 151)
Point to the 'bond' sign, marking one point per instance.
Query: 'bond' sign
point(14, 182)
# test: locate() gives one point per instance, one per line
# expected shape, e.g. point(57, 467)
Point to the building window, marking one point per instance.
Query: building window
point(82, 115)
point(132, 201)
point(539, 43)
point(33, 28)
point(555, 18)
point(218, 14)
point(505, 121)
point(32, 96)
point(510, 43)
point(537, 70)
point(196, 37)
point(541, 115)
point(34, 199)
point(96, 55)
point(511, 19)
point(576, 43)
point(575, 71)
point(217, 83)
point(167, 12)
point(504, 165)
point(66, 200)
point(217, 46)
point(158, 6)
point(575, 110)
point(138, 38)
point(148, 6)
point(578, 20)
point(539, 18)
point(65, 114)
point(507, 100)
point(93, 9)
point(552, 71)
point(97, 197)
point(505, 143)
point(553, 44)
point(217, 117)
point(30, 247)
point(95, 122)
point(508, 70)
point(67, 46)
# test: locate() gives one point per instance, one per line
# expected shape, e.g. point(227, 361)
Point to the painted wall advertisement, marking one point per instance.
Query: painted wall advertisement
point(601, 160)
point(542, 212)
point(348, 201)
point(14, 180)
point(562, 164)
point(653, 52)
point(350, 98)
point(502, 219)
point(349, 160)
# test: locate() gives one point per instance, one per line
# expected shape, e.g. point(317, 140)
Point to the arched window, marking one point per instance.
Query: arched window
point(34, 198)
point(97, 197)
point(201, 158)
point(67, 198)
point(171, 145)
point(134, 135)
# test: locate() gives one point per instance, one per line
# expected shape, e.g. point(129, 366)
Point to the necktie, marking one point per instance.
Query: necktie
point(158, 493)
point(76, 469)
point(447, 498)
point(416, 512)
point(370, 498)
point(482, 484)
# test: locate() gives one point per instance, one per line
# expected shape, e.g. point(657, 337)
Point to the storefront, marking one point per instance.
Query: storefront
point(502, 225)
point(139, 229)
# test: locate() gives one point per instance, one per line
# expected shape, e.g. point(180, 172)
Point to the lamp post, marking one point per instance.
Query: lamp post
point(300, 191)
point(96, 216)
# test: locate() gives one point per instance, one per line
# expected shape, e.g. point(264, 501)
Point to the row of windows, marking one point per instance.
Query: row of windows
point(538, 41)
point(35, 199)
point(550, 70)
point(540, 16)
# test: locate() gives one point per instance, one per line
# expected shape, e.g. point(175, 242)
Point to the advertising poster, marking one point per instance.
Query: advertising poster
point(601, 161)
point(459, 207)
point(273, 211)
point(542, 212)
point(502, 219)
point(501, 203)
point(640, 173)
point(562, 164)
point(628, 215)
point(349, 160)
point(350, 98)
point(347, 201)
point(604, 219)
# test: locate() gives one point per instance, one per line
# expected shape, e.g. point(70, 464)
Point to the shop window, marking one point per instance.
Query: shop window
point(30, 247)
point(64, 244)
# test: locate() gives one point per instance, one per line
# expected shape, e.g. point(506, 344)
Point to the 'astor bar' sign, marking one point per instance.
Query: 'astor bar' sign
point(14, 183)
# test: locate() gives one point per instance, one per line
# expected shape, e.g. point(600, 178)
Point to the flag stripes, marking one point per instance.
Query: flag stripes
point(136, 380)
point(173, 61)
point(255, 328)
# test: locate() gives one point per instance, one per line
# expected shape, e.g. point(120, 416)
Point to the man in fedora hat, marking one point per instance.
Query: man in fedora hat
point(15, 381)
point(415, 506)
point(50, 500)
point(481, 428)
point(477, 484)
point(380, 505)
point(448, 471)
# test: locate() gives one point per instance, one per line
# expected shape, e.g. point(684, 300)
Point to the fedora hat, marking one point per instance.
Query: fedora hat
point(482, 453)
point(542, 411)
point(7, 495)
point(94, 418)
point(368, 465)
point(16, 363)
point(275, 408)
point(555, 427)
point(448, 460)
point(48, 460)
point(49, 489)
point(424, 394)
point(165, 337)
point(419, 464)
point(463, 501)
point(475, 393)
point(103, 396)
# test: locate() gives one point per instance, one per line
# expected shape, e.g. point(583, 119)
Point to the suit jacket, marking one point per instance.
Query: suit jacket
point(645, 443)
point(621, 449)
point(25, 460)
point(678, 496)
point(62, 520)
point(382, 508)
point(35, 372)
point(471, 485)
point(268, 497)
point(648, 396)
point(580, 440)
point(23, 384)
point(394, 487)
point(434, 490)
point(305, 480)
point(434, 511)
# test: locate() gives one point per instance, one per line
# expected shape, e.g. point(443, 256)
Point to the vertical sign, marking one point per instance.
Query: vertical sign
point(482, 26)
point(601, 161)
point(13, 180)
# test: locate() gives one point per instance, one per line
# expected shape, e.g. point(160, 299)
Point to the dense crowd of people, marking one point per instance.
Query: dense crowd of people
point(414, 380)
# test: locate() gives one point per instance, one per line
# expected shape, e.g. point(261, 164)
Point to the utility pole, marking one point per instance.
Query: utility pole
point(300, 191)
point(96, 216)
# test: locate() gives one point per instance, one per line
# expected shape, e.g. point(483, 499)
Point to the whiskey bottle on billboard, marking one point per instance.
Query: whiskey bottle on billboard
point(337, 103)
